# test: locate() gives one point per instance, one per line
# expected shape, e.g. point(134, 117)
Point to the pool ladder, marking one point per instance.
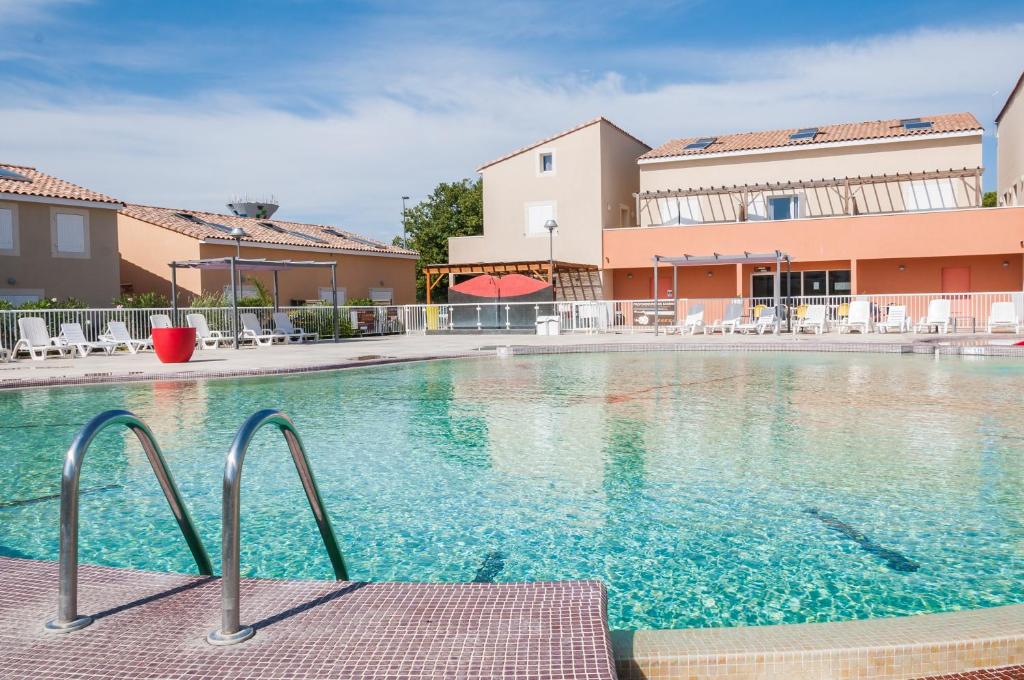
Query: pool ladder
point(231, 631)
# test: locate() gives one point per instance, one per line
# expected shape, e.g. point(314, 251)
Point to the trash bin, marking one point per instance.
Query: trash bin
point(548, 325)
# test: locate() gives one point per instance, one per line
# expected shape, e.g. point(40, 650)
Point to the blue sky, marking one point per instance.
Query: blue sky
point(341, 108)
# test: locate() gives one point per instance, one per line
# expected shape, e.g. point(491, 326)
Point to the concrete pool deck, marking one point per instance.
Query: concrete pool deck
point(100, 368)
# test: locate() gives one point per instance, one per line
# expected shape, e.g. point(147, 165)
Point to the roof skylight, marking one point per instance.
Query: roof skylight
point(804, 133)
point(702, 143)
point(195, 219)
point(11, 175)
point(270, 225)
point(915, 124)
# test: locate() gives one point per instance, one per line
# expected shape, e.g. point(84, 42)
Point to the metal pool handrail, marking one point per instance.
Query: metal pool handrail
point(68, 618)
point(231, 630)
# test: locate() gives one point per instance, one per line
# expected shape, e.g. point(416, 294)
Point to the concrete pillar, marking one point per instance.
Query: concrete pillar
point(853, 277)
point(739, 280)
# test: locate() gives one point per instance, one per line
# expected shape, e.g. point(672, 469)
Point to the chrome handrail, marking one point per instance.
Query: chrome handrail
point(67, 604)
point(231, 630)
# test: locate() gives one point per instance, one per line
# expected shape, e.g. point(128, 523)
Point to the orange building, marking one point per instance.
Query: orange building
point(150, 237)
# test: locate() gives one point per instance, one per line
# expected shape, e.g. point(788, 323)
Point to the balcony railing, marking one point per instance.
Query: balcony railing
point(871, 195)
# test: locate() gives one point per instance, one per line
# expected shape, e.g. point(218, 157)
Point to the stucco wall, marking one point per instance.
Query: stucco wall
point(620, 176)
point(146, 250)
point(35, 268)
point(575, 187)
point(920, 155)
point(1010, 153)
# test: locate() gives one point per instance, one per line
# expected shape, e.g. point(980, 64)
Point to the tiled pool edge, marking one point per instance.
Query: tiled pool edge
point(902, 648)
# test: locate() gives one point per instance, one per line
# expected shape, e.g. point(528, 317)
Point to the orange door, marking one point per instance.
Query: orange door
point(956, 279)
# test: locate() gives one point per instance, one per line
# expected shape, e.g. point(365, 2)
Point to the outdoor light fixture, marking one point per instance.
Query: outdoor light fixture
point(1006, 263)
point(238, 234)
point(902, 267)
point(710, 274)
point(551, 225)
point(629, 275)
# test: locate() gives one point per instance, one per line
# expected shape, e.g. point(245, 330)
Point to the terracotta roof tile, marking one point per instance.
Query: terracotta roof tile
point(270, 231)
point(563, 133)
point(46, 186)
point(842, 132)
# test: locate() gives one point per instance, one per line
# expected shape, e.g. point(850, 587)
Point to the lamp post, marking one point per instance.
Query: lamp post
point(238, 234)
point(405, 229)
point(551, 225)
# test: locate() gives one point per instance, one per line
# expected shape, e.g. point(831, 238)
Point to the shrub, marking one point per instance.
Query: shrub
point(142, 300)
point(54, 303)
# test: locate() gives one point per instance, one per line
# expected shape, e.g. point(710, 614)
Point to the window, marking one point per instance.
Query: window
point(382, 296)
point(547, 162)
point(915, 124)
point(536, 215)
point(325, 295)
point(783, 207)
point(804, 133)
point(839, 282)
point(702, 143)
point(7, 229)
point(624, 216)
point(70, 233)
point(928, 194)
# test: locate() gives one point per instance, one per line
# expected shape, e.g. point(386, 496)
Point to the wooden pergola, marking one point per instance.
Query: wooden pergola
point(543, 270)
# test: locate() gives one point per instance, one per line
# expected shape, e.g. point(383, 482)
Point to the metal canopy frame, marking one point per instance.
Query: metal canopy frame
point(238, 264)
point(539, 269)
point(777, 257)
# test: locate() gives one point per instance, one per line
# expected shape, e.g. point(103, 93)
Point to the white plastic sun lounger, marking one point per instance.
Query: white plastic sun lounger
point(1003, 315)
point(895, 320)
point(291, 332)
point(117, 333)
point(73, 337)
point(5, 354)
point(766, 321)
point(160, 321)
point(252, 332)
point(729, 321)
point(859, 318)
point(813, 320)
point(939, 317)
point(36, 340)
point(205, 338)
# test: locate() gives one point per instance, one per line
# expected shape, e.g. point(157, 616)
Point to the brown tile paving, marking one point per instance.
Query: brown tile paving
point(1008, 673)
point(154, 625)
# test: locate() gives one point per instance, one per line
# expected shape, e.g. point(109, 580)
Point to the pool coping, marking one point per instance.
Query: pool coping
point(938, 347)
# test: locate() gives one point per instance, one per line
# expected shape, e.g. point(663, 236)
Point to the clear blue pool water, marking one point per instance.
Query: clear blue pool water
point(703, 489)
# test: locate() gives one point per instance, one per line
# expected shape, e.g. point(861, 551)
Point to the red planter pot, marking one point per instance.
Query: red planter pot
point(174, 345)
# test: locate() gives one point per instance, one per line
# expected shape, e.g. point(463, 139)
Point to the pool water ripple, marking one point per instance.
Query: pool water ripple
point(684, 481)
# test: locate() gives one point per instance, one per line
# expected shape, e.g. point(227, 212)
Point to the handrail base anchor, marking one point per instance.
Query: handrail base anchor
point(55, 626)
point(216, 637)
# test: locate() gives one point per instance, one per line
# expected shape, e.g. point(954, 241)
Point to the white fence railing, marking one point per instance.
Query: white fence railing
point(969, 312)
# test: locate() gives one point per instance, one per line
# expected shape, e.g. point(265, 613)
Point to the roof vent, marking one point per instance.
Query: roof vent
point(259, 209)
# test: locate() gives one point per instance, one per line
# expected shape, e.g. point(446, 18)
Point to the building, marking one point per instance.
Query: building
point(889, 206)
point(151, 237)
point(584, 178)
point(1010, 153)
point(57, 239)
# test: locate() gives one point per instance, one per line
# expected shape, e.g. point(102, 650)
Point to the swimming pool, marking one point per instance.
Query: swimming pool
point(704, 489)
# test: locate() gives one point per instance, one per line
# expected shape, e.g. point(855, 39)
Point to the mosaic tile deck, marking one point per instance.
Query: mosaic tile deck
point(1008, 673)
point(154, 625)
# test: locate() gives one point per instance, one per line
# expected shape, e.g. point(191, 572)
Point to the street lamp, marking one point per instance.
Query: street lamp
point(551, 225)
point(405, 230)
point(238, 234)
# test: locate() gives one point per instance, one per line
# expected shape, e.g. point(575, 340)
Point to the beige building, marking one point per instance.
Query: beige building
point(707, 167)
point(57, 239)
point(583, 178)
point(1010, 147)
point(151, 237)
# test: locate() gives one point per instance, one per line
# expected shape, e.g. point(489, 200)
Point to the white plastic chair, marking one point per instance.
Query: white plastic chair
point(205, 338)
point(895, 321)
point(694, 319)
point(767, 320)
point(36, 340)
point(859, 318)
point(813, 320)
point(292, 333)
point(939, 317)
point(1003, 315)
point(728, 322)
point(253, 332)
point(117, 333)
point(73, 337)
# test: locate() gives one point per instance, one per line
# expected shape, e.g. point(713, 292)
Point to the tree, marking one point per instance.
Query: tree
point(453, 209)
point(989, 199)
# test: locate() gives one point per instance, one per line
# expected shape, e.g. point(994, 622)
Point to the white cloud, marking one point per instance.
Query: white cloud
point(396, 122)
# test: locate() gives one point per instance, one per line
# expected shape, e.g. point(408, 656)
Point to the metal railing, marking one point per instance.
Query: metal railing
point(231, 630)
point(68, 618)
